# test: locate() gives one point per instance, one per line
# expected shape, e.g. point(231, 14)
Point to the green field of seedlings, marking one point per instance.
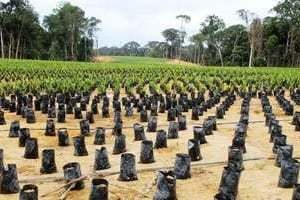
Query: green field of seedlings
point(24, 77)
point(147, 131)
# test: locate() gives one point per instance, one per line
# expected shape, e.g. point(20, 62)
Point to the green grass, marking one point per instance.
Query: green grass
point(143, 60)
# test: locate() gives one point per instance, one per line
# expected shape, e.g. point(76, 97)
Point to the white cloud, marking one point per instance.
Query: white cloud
point(144, 20)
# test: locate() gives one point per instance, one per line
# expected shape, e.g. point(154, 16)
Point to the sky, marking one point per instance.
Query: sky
point(144, 20)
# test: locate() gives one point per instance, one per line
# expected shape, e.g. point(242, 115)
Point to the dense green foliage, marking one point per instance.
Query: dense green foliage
point(53, 77)
point(66, 34)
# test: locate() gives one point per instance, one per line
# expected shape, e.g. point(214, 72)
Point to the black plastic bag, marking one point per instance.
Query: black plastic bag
point(182, 168)
point(296, 192)
point(289, 173)
point(152, 124)
point(166, 186)
point(283, 153)
point(120, 144)
point(72, 171)
point(99, 136)
point(31, 148)
point(161, 139)
point(79, 146)
point(182, 122)
point(147, 155)
point(9, 182)
point(229, 181)
point(128, 168)
point(23, 136)
point(29, 192)
point(48, 162)
point(199, 134)
point(139, 132)
point(85, 128)
point(30, 117)
point(101, 159)
point(63, 137)
point(50, 128)
point(173, 130)
point(14, 129)
point(194, 150)
point(99, 190)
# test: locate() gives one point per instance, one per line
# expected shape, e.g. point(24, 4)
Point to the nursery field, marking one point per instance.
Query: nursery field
point(148, 131)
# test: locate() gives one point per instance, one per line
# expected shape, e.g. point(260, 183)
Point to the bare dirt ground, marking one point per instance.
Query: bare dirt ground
point(104, 59)
point(181, 62)
point(258, 180)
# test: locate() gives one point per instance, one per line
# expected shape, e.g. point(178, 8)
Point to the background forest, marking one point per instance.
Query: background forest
point(67, 34)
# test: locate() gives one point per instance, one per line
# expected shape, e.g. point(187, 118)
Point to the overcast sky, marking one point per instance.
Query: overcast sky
point(144, 20)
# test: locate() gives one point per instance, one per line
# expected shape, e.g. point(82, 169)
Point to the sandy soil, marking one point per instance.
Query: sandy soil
point(103, 59)
point(181, 62)
point(258, 180)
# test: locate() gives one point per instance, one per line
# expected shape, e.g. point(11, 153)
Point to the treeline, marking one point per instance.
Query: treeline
point(66, 34)
point(272, 41)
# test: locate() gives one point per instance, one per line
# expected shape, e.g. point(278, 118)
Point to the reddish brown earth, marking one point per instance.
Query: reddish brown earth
point(258, 180)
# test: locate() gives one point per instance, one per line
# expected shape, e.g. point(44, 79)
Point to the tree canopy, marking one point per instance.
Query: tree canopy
point(66, 34)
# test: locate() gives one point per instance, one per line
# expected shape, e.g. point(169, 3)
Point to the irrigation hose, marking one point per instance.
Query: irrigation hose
point(161, 125)
point(110, 173)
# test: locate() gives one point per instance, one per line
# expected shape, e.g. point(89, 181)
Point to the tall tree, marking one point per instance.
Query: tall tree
point(255, 34)
point(235, 45)
point(2, 15)
point(17, 19)
point(274, 38)
point(289, 11)
point(248, 17)
point(184, 19)
point(68, 25)
point(90, 28)
point(198, 40)
point(171, 35)
point(212, 28)
point(132, 47)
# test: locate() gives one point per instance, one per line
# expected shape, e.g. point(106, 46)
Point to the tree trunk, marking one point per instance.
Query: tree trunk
point(180, 51)
point(97, 48)
point(23, 50)
point(251, 55)
point(72, 47)
point(292, 47)
point(72, 42)
point(10, 45)
point(221, 57)
point(287, 46)
point(167, 50)
point(234, 48)
point(18, 45)
point(66, 52)
point(269, 58)
point(85, 53)
point(198, 56)
point(18, 41)
point(171, 51)
point(195, 54)
point(2, 45)
point(202, 58)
